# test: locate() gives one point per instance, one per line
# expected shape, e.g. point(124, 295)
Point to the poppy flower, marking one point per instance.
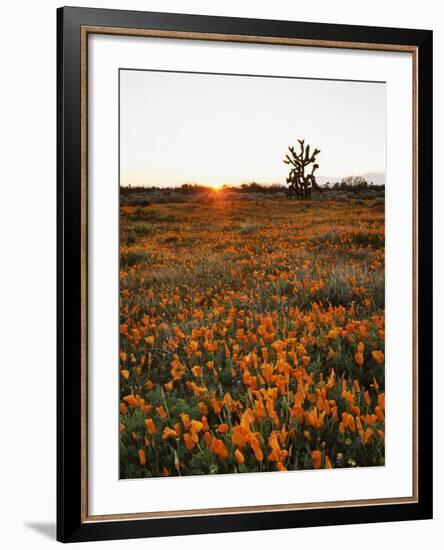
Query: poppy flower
point(239, 435)
point(218, 448)
point(142, 457)
point(254, 443)
point(381, 401)
point(189, 441)
point(378, 356)
point(168, 433)
point(196, 426)
point(197, 371)
point(151, 427)
point(185, 419)
point(131, 400)
point(239, 456)
point(316, 459)
point(161, 412)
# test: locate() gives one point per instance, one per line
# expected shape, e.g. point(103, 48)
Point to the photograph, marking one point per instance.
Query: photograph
point(251, 273)
point(244, 273)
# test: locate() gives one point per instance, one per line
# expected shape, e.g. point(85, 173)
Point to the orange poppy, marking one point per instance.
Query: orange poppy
point(254, 443)
point(381, 401)
point(185, 419)
point(316, 459)
point(161, 412)
point(239, 456)
point(131, 400)
point(378, 356)
point(239, 435)
point(218, 448)
point(142, 456)
point(151, 427)
point(189, 441)
point(168, 433)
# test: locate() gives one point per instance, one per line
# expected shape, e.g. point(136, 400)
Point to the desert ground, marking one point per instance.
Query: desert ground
point(251, 334)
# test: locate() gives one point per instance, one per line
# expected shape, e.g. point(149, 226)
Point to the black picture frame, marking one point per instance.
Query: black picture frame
point(71, 526)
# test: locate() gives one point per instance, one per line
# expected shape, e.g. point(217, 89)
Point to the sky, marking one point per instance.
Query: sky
point(211, 129)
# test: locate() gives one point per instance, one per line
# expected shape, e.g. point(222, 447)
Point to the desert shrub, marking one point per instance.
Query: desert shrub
point(374, 239)
point(377, 203)
point(170, 239)
point(131, 258)
point(249, 228)
point(129, 238)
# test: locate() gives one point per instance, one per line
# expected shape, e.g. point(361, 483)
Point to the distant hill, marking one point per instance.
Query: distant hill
point(377, 178)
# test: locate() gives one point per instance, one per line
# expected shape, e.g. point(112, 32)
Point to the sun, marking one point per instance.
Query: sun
point(216, 186)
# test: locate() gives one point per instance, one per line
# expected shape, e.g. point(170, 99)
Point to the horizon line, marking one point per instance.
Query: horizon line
point(225, 185)
point(332, 179)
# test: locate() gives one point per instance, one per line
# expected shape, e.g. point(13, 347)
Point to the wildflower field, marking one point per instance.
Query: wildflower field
point(251, 336)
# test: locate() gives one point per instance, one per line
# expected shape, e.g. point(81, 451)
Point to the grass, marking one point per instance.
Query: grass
point(252, 336)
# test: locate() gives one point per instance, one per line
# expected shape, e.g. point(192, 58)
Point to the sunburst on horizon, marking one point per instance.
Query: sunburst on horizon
point(216, 186)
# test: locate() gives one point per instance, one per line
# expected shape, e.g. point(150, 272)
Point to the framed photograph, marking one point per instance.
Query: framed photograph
point(244, 274)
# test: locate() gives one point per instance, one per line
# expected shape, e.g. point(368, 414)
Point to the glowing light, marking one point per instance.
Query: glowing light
point(216, 186)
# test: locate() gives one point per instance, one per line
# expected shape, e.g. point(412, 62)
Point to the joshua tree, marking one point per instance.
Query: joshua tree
point(299, 182)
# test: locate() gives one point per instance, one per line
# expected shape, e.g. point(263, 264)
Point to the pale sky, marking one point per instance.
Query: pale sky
point(210, 129)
